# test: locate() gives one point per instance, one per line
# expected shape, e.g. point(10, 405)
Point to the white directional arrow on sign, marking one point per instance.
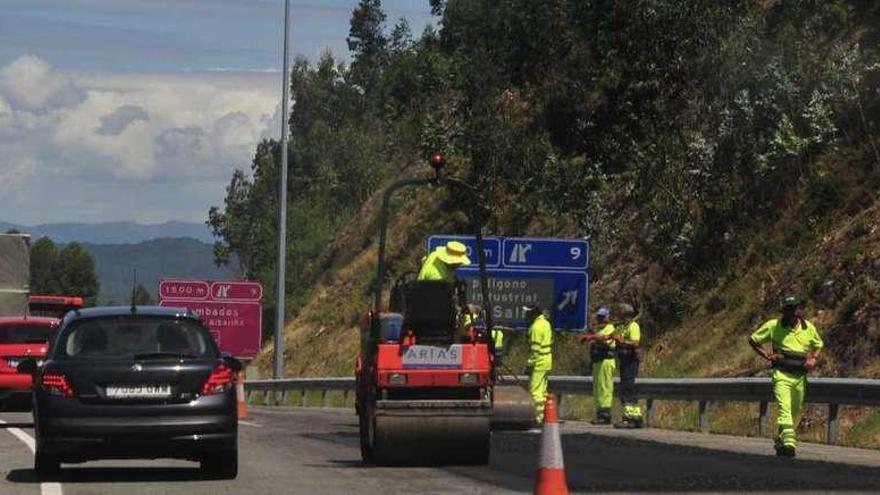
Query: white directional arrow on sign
point(569, 298)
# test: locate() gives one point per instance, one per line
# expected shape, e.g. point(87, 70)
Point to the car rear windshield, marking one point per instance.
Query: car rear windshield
point(25, 334)
point(136, 337)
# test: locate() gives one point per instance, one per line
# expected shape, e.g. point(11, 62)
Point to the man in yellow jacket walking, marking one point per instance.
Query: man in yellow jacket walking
point(796, 346)
point(540, 356)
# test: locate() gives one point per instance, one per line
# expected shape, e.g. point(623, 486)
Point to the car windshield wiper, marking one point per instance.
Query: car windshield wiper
point(161, 355)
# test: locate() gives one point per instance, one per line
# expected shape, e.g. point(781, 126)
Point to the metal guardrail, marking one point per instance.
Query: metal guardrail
point(284, 386)
point(835, 392)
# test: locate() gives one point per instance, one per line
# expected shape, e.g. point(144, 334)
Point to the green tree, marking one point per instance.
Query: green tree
point(437, 6)
point(401, 39)
point(367, 42)
point(44, 264)
point(142, 296)
point(246, 226)
point(77, 273)
point(669, 127)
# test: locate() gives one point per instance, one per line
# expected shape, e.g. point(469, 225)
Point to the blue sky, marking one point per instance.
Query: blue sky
point(171, 35)
point(140, 109)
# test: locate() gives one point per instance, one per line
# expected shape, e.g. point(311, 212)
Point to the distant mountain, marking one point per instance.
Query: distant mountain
point(113, 232)
point(154, 260)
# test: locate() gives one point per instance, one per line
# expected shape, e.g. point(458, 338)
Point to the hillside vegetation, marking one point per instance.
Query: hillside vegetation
point(717, 154)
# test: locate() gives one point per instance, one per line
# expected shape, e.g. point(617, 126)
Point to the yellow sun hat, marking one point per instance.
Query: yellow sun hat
point(454, 253)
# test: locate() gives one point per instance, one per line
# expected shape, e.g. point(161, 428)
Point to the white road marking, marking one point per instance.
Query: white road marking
point(248, 423)
point(45, 488)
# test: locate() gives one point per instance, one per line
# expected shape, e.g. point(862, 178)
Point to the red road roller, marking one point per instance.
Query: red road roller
point(426, 377)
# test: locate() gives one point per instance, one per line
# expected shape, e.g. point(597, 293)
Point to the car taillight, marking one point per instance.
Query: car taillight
point(55, 383)
point(220, 381)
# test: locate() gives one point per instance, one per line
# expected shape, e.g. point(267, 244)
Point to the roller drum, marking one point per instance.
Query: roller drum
point(512, 408)
point(431, 439)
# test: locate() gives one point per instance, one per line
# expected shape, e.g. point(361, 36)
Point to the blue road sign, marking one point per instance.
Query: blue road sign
point(491, 246)
point(540, 254)
point(552, 273)
point(562, 295)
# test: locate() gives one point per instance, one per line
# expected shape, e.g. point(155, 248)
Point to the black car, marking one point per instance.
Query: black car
point(135, 383)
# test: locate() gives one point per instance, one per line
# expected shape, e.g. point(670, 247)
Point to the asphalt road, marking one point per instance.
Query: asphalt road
point(316, 451)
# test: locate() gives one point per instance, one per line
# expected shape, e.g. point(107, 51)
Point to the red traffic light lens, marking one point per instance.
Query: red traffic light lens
point(438, 161)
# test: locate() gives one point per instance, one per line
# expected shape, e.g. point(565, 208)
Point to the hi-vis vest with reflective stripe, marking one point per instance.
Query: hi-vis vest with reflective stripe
point(498, 339)
point(603, 349)
point(435, 269)
point(541, 344)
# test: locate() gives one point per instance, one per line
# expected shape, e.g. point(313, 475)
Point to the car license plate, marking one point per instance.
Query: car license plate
point(429, 356)
point(139, 392)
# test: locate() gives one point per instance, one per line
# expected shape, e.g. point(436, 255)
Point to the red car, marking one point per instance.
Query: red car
point(53, 306)
point(21, 338)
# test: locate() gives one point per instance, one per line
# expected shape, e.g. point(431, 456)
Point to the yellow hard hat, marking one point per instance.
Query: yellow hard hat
point(454, 253)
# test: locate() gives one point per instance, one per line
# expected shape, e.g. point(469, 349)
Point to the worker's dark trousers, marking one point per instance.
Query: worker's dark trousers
point(629, 370)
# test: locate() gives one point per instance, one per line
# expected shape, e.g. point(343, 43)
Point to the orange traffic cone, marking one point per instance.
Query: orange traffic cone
point(551, 469)
point(239, 395)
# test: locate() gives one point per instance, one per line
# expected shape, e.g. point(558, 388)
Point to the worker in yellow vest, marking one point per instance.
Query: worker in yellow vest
point(540, 356)
point(626, 341)
point(498, 344)
point(473, 317)
point(602, 347)
point(796, 346)
point(443, 261)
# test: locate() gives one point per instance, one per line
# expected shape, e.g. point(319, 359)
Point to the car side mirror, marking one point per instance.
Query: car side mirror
point(233, 364)
point(27, 366)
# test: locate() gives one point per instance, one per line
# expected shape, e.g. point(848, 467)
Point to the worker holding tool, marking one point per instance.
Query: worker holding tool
point(796, 346)
point(626, 341)
point(602, 348)
point(540, 356)
point(443, 261)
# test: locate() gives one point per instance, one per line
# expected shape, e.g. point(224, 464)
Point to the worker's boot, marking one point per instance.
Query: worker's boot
point(625, 423)
point(603, 417)
point(786, 442)
point(777, 445)
point(629, 422)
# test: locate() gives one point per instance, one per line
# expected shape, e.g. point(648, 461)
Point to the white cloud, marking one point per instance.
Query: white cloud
point(113, 124)
point(235, 130)
point(30, 83)
point(17, 169)
point(129, 132)
point(271, 124)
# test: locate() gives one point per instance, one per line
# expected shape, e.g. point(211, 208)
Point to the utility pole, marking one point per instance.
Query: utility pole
point(282, 211)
